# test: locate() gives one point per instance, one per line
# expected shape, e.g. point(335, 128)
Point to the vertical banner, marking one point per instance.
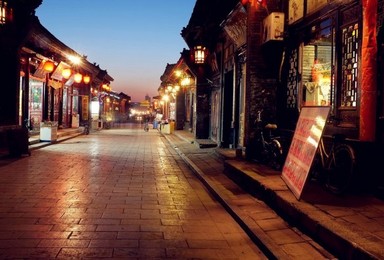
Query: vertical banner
point(85, 107)
point(309, 130)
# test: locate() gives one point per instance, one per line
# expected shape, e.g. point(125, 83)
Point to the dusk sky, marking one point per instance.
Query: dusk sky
point(132, 40)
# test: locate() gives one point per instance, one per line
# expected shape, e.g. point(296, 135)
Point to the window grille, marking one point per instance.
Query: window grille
point(350, 49)
point(292, 80)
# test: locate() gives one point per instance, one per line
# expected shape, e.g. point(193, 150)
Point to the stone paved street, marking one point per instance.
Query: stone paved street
point(118, 193)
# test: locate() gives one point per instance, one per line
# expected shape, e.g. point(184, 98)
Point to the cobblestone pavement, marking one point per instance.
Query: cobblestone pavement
point(118, 193)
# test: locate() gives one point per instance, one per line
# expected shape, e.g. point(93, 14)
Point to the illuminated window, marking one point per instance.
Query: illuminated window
point(318, 59)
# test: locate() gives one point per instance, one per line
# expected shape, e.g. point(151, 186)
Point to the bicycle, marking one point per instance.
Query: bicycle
point(268, 148)
point(336, 167)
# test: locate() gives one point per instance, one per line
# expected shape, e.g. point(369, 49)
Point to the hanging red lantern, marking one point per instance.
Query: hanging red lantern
point(78, 77)
point(48, 66)
point(86, 79)
point(66, 73)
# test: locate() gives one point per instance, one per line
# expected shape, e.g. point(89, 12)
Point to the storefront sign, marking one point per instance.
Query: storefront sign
point(309, 130)
point(235, 26)
point(296, 10)
point(313, 5)
point(85, 107)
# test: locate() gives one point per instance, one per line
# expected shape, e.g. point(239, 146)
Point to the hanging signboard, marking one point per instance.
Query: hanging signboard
point(296, 10)
point(85, 107)
point(309, 130)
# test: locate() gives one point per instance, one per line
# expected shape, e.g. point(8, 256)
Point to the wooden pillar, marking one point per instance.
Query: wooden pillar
point(368, 99)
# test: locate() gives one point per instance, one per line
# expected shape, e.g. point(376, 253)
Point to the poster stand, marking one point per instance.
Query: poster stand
point(308, 132)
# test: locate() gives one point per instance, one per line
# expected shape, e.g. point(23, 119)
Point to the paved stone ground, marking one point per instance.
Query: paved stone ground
point(269, 231)
point(350, 225)
point(118, 193)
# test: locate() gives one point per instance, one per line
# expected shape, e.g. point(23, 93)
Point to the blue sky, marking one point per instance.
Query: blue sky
point(133, 40)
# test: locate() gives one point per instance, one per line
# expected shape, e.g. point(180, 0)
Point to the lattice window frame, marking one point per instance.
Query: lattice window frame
point(292, 81)
point(350, 49)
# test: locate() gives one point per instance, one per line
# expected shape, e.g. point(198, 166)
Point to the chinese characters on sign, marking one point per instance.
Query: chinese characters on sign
point(309, 130)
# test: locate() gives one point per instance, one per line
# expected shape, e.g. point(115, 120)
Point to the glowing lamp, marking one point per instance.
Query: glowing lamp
point(86, 79)
point(48, 66)
point(78, 77)
point(199, 54)
point(6, 13)
point(186, 81)
point(252, 2)
point(66, 73)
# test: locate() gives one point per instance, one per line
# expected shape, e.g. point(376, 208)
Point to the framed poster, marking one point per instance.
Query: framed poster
point(309, 130)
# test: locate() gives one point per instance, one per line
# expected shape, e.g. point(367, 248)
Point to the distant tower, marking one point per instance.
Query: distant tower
point(147, 98)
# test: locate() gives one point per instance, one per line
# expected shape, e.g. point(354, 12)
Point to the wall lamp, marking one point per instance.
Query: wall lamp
point(200, 54)
point(6, 13)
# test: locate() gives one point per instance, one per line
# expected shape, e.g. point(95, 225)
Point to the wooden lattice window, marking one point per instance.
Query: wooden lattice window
point(350, 50)
point(292, 80)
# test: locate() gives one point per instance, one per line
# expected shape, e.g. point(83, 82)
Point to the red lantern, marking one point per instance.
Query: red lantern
point(263, 3)
point(86, 79)
point(78, 77)
point(48, 66)
point(66, 73)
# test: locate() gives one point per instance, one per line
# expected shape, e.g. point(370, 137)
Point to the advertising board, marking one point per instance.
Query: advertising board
point(308, 132)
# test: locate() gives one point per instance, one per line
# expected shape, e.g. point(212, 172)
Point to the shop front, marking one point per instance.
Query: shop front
point(325, 65)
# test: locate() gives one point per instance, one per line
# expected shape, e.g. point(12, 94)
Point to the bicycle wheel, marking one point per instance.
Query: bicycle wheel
point(276, 155)
point(341, 169)
point(316, 172)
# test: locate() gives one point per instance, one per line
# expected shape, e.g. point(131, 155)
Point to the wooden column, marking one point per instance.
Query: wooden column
point(368, 99)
